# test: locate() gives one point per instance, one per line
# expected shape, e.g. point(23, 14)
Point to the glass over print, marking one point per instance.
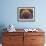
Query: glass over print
point(26, 14)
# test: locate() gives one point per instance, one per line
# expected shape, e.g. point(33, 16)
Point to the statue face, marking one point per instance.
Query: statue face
point(26, 13)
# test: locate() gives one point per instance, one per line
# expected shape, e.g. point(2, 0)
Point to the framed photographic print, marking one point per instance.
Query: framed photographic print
point(26, 14)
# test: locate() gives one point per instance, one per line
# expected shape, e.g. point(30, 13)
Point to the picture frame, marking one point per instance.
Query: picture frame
point(26, 14)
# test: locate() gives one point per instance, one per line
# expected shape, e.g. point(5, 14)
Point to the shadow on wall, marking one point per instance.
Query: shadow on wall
point(2, 26)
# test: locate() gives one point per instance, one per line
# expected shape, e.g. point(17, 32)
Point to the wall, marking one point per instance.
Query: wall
point(9, 13)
